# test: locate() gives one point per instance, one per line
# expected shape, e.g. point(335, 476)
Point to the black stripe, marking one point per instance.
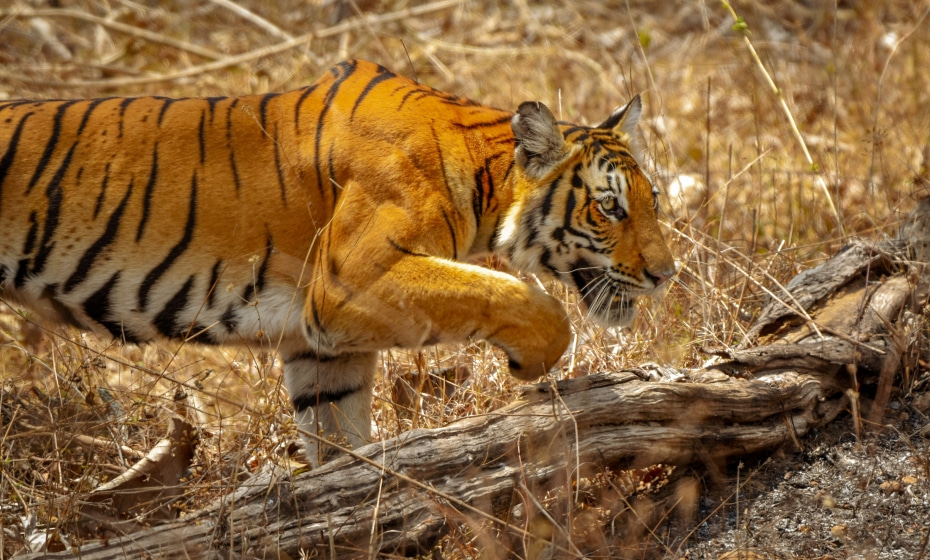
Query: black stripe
point(10, 155)
point(333, 183)
point(277, 164)
point(235, 171)
point(345, 69)
point(147, 194)
point(17, 103)
point(442, 164)
point(509, 170)
point(487, 197)
point(50, 145)
point(300, 100)
point(465, 102)
point(201, 334)
point(124, 104)
point(530, 221)
point(404, 250)
point(546, 261)
point(229, 319)
point(164, 109)
point(303, 402)
point(455, 245)
point(212, 102)
point(590, 220)
point(550, 194)
point(166, 322)
point(585, 133)
point(506, 118)
point(317, 325)
point(403, 100)
point(201, 142)
point(490, 196)
point(314, 357)
point(213, 283)
point(90, 256)
point(103, 190)
point(407, 96)
point(22, 268)
point(55, 195)
point(382, 75)
point(33, 233)
point(263, 107)
point(3, 273)
point(175, 252)
point(259, 283)
point(570, 204)
point(229, 145)
point(98, 305)
point(22, 271)
point(90, 109)
point(477, 198)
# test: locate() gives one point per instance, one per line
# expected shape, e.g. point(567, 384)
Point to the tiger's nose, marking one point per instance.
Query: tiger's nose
point(659, 277)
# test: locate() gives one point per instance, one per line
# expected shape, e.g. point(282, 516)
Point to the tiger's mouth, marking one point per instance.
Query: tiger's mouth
point(607, 300)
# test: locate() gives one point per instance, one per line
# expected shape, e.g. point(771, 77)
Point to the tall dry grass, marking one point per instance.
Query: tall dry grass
point(850, 76)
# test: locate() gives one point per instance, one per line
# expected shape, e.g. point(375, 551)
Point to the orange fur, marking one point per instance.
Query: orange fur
point(335, 220)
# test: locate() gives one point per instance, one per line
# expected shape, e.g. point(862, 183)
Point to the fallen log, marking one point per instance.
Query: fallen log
point(833, 328)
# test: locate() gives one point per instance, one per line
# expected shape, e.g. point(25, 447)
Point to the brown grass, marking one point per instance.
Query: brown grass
point(853, 79)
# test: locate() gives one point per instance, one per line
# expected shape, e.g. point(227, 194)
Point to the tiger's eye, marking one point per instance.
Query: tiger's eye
point(609, 204)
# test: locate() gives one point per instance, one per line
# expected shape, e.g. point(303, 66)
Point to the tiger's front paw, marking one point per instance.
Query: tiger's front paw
point(540, 352)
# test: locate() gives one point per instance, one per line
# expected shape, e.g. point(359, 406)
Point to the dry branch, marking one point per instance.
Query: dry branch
point(254, 18)
point(116, 26)
point(144, 491)
point(399, 496)
point(481, 461)
point(284, 46)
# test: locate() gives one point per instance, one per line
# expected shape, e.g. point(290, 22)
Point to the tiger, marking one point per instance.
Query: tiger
point(337, 220)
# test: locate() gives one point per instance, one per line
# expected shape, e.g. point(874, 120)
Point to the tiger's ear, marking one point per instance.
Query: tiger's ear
point(540, 145)
point(622, 123)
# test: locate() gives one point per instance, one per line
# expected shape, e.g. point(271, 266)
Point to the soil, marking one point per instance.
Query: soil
point(840, 497)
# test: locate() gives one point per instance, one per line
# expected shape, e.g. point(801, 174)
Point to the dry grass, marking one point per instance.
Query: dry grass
point(853, 81)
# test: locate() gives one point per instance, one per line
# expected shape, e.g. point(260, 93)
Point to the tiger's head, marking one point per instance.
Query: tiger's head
point(585, 212)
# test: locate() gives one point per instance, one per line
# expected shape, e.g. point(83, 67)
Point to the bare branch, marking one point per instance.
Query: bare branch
point(116, 26)
point(256, 54)
point(254, 18)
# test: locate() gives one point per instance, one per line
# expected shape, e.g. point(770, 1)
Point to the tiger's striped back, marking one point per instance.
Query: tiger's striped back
point(335, 220)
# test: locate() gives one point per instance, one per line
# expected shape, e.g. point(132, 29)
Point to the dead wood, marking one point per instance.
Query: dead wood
point(147, 490)
point(399, 496)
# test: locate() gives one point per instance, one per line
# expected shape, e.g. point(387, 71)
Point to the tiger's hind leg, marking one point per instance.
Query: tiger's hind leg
point(332, 398)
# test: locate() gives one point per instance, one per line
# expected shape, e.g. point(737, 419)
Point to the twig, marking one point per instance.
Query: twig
point(670, 146)
point(374, 514)
point(533, 51)
point(741, 28)
point(797, 308)
point(254, 18)
point(244, 57)
point(150, 462)
point(881, 82)
point(116, 26)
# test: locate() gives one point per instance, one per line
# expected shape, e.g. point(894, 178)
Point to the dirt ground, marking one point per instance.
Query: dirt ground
point(837, 498)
